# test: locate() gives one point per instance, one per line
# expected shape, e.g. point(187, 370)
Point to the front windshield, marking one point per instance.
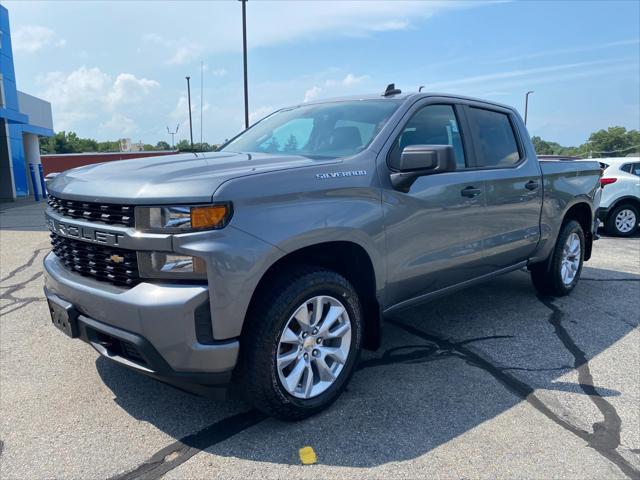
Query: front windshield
point(337, 129)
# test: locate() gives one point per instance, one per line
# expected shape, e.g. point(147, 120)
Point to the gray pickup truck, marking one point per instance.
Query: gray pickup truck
point(270, 263)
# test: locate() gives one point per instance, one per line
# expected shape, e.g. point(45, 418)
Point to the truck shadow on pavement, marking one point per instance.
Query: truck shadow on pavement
point(443, 369)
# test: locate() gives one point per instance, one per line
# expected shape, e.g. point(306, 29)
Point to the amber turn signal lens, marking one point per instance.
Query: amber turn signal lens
point(208, 217)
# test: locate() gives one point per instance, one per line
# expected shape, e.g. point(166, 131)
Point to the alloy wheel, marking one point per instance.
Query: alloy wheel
point(313, 347)
point(626, 220)
point(570, 259)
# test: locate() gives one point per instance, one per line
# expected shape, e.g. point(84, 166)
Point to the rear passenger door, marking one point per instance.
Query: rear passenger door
point(513, 184)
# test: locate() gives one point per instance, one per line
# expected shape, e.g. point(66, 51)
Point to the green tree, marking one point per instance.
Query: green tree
point(292, 144)
point(109, 146)
point(162, 145)
point(614, 141)
point(273, 146)
point(541, 147)
point(63, 142)
point(183, 146)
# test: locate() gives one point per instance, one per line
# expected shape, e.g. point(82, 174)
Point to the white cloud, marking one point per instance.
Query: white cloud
point(120, 124)
point(347, 81)
point(129, 89)
point(563, 51)
point(89, 93)
point(33, 38)
point(270, 24)
point(185, 54)
point(343, 86)
point(310, 19)
point(312, 93)
point(390, 25)
point(519, 73)
point(179, 52)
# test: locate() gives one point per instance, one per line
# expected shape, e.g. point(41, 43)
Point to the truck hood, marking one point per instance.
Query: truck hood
point(183, 178)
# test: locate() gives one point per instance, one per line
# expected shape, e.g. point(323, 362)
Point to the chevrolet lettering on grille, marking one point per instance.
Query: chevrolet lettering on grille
point(84, 233)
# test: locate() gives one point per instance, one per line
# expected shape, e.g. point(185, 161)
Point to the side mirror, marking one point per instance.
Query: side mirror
point(419, 160)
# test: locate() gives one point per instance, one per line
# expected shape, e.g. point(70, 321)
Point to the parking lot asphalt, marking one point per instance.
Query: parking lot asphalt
point(490, 382)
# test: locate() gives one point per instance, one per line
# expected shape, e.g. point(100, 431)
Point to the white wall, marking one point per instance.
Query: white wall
point(39, 110)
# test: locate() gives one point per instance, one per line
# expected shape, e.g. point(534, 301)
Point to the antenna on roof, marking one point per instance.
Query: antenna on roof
point(391, 90)
point(420, 88)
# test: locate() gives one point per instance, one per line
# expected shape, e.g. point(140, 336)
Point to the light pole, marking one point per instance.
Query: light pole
point(244, 54)
point(526, 105)
point(190, 123)
point(173, 143)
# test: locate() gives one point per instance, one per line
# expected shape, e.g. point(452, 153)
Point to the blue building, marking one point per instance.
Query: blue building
point(23, 118)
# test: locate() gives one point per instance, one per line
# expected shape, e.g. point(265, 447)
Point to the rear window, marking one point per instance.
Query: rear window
point(632, 168)
point(495, 138)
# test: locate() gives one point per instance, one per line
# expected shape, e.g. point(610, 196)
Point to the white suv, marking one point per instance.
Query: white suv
point(620, 203)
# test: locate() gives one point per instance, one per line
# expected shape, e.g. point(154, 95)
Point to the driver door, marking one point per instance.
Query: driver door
point(435, 231)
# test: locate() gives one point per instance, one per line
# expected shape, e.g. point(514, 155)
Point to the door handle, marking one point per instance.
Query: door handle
point(531, 185)
point(470, 192)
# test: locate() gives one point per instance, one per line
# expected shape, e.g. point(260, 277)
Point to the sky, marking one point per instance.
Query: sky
point(117, 69)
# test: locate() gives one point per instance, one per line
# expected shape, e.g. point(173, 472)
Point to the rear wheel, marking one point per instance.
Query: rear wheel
point(622, 221)
point(561, 272)
point(301, 343)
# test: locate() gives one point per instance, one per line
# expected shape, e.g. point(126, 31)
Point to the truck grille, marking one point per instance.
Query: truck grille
point(96, 212)
point(108, 264)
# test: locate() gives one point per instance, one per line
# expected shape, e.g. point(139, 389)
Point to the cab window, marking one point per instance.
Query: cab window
point(431, 125)
point(495, 138)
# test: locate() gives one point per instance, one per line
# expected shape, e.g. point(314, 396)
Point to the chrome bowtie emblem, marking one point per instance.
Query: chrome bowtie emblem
point(115, 258)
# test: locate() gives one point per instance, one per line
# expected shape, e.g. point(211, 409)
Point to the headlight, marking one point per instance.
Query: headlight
point(181, 219)
point(171, 266)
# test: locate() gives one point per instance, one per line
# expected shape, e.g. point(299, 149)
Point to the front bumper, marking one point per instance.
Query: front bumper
point(155, 320)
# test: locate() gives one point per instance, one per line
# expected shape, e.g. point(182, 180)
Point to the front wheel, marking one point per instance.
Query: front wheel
point(301, 343)
point(561, 272)
point(622, 221)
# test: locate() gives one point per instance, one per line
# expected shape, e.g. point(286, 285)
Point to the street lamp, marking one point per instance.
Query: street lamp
point(173, 143)
point(244, 53)
point(526, 105)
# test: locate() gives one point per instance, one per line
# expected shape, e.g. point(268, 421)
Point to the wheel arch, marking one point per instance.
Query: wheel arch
point(346, 258)
point(635, 201)
point(582, 213)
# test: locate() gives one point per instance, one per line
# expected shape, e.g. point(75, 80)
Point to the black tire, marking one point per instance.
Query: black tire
point(547, 276)
point(610, 224)
point(269, 314)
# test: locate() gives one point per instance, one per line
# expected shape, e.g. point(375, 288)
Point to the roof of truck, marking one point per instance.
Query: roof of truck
point(404, 96)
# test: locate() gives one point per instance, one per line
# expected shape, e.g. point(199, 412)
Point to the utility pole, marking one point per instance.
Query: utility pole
point(244, 52)
point(173, 143)
point(526, 105)
point(190, 122)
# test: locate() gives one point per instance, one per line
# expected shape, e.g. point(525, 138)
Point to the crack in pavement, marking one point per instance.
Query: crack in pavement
point(605, 438)
point(179, 452)
point(438, 349)
point(600, 440)
point(25, 265)
point(182, 450)
point(19, 303)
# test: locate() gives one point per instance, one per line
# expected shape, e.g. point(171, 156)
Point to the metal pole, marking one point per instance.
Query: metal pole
point(526, 105)
point(244, 52)
point(201, 98)
point(190, 122)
